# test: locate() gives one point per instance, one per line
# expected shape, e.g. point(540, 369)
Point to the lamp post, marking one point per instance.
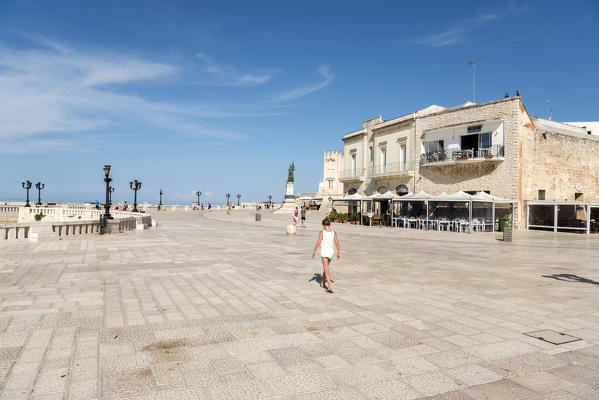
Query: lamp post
point(135, 186)
point(228, 196)
point(198, 193)
point(27, 185)
point(238, 197)
point(39, 186)
point(111, 191)
point(269, 200)
point(160, 204)
point(107, 179)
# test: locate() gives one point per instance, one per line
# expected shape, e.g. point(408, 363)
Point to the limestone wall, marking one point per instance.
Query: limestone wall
point(559, 163)
point(500, 178)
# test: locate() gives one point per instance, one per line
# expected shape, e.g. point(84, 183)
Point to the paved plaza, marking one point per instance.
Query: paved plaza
point(216, 306)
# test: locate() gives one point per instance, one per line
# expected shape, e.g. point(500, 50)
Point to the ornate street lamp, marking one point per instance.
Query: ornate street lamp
point(160, 204)
point(198, 193)
point(228, 196)
point(107, 179)
point(135, 186)
point(111, 191)
point(39, 186)
point(27, 186)
point(270, 200)
point(238, 197)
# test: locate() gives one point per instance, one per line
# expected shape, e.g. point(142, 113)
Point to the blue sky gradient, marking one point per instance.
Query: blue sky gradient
point(222, 97)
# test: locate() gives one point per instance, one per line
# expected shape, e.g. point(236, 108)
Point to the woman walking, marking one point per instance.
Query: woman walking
point(328, 239)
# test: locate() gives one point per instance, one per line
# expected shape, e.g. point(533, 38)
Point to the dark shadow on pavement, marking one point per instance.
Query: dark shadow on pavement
point(571, 278)
point(317, 278)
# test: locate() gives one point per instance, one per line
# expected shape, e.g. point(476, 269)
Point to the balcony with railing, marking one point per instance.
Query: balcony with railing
point(350, 174)
point(387, 170)
point(494, 153)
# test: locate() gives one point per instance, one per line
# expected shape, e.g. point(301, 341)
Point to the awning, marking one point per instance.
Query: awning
point(352, 197)
point(421, 195)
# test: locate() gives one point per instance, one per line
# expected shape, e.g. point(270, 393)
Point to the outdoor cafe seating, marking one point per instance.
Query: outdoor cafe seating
point(458, 212)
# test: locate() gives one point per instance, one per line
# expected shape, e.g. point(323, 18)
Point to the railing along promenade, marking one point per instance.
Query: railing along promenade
point(18, 223)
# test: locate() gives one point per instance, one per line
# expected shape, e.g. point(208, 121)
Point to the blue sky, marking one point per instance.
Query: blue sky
point(220, 98)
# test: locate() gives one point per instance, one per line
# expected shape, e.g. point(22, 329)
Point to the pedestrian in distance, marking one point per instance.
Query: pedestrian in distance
point(303, 213)
point(295, 216)
point(327, 241)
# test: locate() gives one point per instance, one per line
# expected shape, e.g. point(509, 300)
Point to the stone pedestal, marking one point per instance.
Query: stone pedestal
point(112, 226)
point(289, 204)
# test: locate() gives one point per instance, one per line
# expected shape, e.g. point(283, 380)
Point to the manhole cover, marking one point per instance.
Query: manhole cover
point(547, 335)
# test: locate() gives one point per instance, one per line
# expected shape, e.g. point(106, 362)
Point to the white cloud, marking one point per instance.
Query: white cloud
point(37, 146)
point(460, 31)
point(327, 78)
point(49, 90)
point(227, 75)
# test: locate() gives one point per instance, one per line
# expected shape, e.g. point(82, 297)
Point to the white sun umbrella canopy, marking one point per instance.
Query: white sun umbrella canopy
point(388, 195)
point(459, 196)
point(421, 195)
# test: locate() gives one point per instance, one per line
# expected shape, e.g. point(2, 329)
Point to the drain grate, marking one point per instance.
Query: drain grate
point(553, 337)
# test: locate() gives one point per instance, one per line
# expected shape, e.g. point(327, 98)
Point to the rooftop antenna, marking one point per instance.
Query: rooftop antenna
point(549, 111)
point(473, 63)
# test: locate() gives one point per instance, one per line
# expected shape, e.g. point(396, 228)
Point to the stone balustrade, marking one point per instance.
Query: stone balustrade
point(14, 231)
point(27, 214)
point(35, 230)
point(9, 214)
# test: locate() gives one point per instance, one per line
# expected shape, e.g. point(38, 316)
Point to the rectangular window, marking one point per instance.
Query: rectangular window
point(353, 164)
point(371, 154)
point(484, 140)
point(541, 195)
point(383, 159)
point(434, 146)
point(402, 157)
point(475, 128)
point(330, 184)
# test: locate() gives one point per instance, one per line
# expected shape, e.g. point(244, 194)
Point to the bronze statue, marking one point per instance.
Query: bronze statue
point(290, 174)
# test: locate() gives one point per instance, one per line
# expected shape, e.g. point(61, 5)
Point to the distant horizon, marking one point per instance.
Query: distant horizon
point(186, 96)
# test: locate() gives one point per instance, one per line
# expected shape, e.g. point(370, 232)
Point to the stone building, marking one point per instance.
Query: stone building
point(495, 147)
point(332, 166)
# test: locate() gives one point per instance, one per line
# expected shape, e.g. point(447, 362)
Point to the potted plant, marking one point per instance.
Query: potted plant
point(333, 216)
point(489, 155)
point(344, 217)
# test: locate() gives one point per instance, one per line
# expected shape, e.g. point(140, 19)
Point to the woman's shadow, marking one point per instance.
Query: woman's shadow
point(318, 278)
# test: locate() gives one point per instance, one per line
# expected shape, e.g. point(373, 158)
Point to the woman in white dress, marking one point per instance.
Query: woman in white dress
point(328, 239)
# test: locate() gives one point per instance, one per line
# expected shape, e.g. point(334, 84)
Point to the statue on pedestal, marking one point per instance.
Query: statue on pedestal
point(289, 203)
point(290, 172)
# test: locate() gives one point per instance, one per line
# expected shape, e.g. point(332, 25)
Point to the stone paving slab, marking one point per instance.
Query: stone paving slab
point(216, 306)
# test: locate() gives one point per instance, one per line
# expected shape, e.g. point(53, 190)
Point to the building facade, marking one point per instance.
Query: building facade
point(332, 166)
point(495, 147)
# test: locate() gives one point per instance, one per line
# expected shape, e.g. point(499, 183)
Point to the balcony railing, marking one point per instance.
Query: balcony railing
point(482, 153)
point(350, 173)
point(387, 169)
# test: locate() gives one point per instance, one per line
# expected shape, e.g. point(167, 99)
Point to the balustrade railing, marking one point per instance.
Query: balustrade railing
point(67, 214)
point(466, 154)
point(387, 169)
point(350, 173)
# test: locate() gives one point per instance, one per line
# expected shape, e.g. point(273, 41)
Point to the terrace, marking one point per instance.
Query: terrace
point(387, 170)
point(493, 153)
point(350, 174)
